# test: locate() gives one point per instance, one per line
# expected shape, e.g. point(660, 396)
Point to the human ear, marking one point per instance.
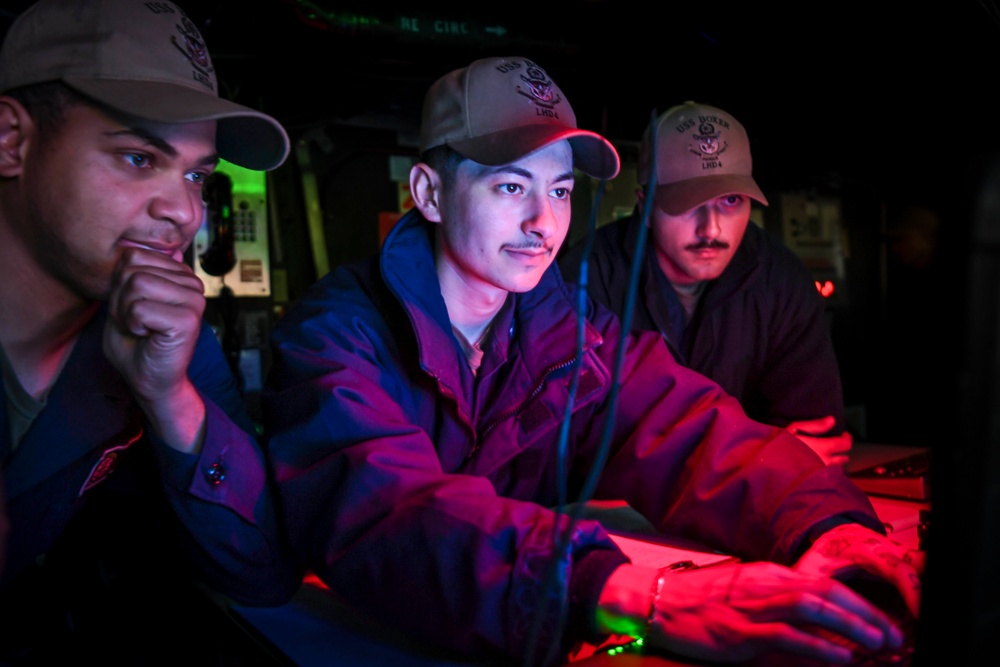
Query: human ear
point(425, 189)
point(15, 125)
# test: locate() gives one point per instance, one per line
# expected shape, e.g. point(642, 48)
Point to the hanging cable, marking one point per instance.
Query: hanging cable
point(559, 565)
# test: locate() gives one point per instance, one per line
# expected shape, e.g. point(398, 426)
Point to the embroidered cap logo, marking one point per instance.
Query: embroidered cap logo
point(709, 144)
point(540, 88)
point(196, 52)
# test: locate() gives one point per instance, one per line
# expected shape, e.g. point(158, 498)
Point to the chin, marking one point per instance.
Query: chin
point(523, 285)
point(95, 288)
point(702, 273)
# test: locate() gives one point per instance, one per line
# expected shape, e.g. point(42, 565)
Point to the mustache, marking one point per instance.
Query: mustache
point(708, 245)
point(527, 245)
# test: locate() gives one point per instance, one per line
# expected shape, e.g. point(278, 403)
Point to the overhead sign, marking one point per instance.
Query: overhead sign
point(410, 24)
point(447, 27)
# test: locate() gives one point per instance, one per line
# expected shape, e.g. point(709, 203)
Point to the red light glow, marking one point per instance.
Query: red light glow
point(825, 288)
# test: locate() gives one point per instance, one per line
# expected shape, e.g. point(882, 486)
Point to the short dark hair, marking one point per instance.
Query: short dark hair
point(47, 102)
point(445, 161)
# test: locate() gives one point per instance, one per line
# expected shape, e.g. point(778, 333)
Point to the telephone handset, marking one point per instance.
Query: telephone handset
point(220, 256)
point(219, 259)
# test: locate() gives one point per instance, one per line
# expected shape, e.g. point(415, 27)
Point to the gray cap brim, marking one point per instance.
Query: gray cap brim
point(245, 137)
point(592, 154)
point(677, 198)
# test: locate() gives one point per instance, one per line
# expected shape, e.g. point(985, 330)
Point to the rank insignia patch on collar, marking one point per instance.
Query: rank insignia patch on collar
point(107, 464)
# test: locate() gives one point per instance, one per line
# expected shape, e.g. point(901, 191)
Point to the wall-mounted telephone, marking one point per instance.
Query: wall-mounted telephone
point(230, 254)
point(231, 247)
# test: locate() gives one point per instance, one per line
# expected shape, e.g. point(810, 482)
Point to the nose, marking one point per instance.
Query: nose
point(708, 223)
point(179, 203)
point(541, 223)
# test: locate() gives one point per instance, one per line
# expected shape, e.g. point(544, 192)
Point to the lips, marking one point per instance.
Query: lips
point(530, 257)
point(542, 252)
point(171, 250)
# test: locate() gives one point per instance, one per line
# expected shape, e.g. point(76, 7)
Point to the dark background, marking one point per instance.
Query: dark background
point(889, 107)
point(896, 95)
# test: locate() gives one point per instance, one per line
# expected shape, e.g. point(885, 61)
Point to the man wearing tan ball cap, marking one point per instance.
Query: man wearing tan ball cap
point(421, 431)
point(732, 301)
point(130, 464)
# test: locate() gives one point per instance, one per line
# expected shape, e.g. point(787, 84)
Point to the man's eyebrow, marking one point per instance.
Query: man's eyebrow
point(519, 171)
point(148, 137)
point(159, 143)
point(510, 169)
